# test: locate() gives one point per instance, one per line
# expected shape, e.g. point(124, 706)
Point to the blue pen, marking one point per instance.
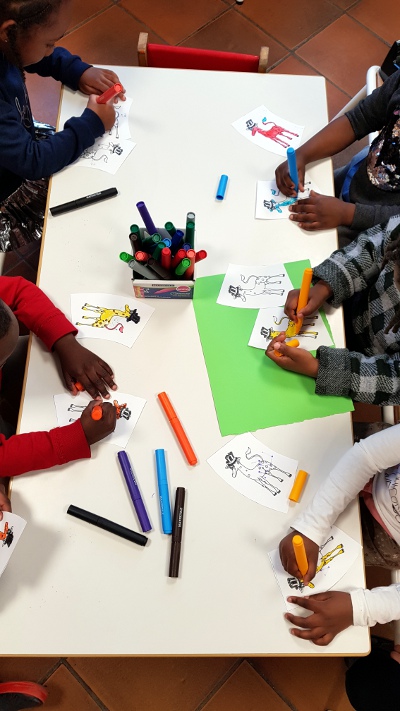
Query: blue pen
point(291, 158)
point(165, 506)
point(134, 492)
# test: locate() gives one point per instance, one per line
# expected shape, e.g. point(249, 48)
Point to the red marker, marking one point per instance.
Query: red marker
point(166, 258)
point(190, 254)
point(201, 254)
point(141, 256)
point(97, 412)
point(110, 93)
point(181, 254)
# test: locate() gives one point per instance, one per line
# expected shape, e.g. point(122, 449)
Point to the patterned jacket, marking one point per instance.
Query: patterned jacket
point(369, 370)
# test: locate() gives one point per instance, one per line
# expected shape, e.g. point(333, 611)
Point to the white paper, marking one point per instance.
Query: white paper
point(129, 409)
point(271, 204)
point(121, 129)
point(336, 555)
point(110, 317)
point(269, 131)
point(11, 528)
point(270, 322)
point(254, 287)
point(106, 154)
point(256, 471)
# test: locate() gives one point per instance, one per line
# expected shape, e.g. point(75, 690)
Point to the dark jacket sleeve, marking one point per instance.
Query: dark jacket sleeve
point(62, 66)
point(371, 113)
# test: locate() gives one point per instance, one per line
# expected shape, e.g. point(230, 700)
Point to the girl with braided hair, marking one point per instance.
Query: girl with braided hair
point(29, 30)
point(365, 278)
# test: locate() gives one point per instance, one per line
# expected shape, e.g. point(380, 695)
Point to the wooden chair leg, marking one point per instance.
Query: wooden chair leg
point(142, 49)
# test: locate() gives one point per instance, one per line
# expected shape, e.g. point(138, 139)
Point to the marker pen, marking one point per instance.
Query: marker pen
point(83, 201)
point(134, 492)
point(142, 257)
point(176, 240)
point(291, 159)
point(201, 254)
point(177, 427)
point(97, 413)
point(181, 254)
point(145, 215)
point(190, 217)
point(159, 269)
point(303, 297)
point(158, 249)
point(223, 181)
point(182, 267)
point(107, 525)
point(166, 258)
point(163, 492)
point(300, 554)
point(170, 227)
point(177, 529)
point(189, 234)
point(167, 241)
point(298, 485)
point(137, 267)
point(190, 254)
point(109, 94)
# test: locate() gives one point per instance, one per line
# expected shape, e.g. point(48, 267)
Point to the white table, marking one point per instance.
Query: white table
point(72, 588)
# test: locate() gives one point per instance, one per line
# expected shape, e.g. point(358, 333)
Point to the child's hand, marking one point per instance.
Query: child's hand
point(284, 181)
point(5, 503)
point(295, 359)
point(320, 212)
point(288, 558)
point(318, 295)
point(80, 364)
point(97, 81)
point(396, 653)
point(95, 430)
point(105, 112)
point(332, 613)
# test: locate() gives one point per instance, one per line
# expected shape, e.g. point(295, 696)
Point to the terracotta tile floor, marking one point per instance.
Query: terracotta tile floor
point(339, 39)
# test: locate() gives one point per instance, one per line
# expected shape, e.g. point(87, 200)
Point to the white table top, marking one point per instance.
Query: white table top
point(71, 588)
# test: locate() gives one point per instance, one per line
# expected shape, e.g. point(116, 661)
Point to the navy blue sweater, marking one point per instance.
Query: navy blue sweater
point(21, 156)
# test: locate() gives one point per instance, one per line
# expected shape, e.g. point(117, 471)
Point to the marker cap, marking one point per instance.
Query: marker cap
point(97, 413)
point(298, 485)
point(223, 181)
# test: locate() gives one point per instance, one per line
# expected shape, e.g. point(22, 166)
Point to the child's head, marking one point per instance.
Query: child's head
point(30, 28)
point(9, 332)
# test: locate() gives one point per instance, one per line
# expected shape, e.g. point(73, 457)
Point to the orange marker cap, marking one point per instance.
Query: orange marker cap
point(97, 412)
point(300, 554)
point(303, 296)
point(79, 386)
point(298, 485)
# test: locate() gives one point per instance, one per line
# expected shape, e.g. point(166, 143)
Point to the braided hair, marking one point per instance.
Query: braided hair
point(26, 14)
point(392, 254)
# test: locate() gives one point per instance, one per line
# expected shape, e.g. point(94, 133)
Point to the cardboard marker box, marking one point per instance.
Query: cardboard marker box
point(163, 288)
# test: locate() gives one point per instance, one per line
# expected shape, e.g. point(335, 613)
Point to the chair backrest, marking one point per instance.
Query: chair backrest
point(160, 55)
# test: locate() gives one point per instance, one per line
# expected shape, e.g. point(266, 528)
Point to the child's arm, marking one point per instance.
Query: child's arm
point(42, 450)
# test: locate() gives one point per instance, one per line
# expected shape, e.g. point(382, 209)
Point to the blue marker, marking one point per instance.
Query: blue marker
point(176, 240)
point(165, 506)
point(291, 158)
point(223, 181)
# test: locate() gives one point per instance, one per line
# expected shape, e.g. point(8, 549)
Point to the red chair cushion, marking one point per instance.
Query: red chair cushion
point(159, 55)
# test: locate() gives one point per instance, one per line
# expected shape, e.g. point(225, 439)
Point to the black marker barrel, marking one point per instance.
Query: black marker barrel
point(107, 525)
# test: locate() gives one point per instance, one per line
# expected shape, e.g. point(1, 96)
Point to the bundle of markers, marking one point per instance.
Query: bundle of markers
point(164, 253)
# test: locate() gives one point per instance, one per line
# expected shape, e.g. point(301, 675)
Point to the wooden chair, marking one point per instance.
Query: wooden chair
point(159, 55)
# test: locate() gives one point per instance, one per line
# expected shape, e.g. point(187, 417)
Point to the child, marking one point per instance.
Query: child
point(371, 194)
point(19, 299)
point(365, 278)
point(371, 468)
point(28, 32)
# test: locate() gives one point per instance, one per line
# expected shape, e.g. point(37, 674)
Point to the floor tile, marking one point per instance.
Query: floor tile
point(366, 413)
point(117, 680)
point(328, 690)
point(66, 693)
point(345, 4)
point(377, 577)
point(26, 668)
point(22, 269)
point(100, 41)
point(81, 11)
point(44, 94)
point(303, 19)
point(176, 26)
point(385, 22)
point(339, 53)
point(245, 689)
point(234, 33)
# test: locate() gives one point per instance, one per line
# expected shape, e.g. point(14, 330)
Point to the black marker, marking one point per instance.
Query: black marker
point(177, 528)
point(83, 201)
point(107, 525)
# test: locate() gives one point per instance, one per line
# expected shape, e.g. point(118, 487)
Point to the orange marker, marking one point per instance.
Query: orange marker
point(178, 429)
point(109, 94)
point(298, 485)
point(300, 554)
point(294, 343)
point(97, 412)
point(79, 387)
point(303, 296)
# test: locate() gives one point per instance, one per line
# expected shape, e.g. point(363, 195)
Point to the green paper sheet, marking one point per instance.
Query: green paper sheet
point(250, 391)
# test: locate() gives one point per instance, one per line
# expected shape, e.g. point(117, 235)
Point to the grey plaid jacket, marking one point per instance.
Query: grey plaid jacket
point(370, 371)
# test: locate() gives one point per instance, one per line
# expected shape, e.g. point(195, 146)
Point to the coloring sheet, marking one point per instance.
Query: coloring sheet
point(11, 528)
point(121, 130)
point(107, 153)
point(269, 131)
point(271, 204)
point(256, 471)
point(110, 317)
point(336, 556)
point(129, 409)
point(254, 287)
point(272, 321)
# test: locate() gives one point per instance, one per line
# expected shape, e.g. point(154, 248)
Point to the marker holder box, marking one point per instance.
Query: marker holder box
point(163, 288)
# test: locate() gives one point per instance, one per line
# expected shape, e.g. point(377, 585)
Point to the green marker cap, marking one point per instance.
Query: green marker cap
point(135, 229)
point(170, 227)
point(182, 266)
point(126, 257)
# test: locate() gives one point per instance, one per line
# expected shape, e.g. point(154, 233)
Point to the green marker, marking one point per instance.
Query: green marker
point(135, 230)
point(170, 228)
point(182, 266)
point(189, 235)
point(126, 257)
point(157, 250)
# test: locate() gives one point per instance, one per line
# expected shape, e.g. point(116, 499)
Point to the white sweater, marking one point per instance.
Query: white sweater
point(372, 457)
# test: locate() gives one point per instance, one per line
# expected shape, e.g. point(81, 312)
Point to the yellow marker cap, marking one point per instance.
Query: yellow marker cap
point(300, 554)
point(298, 485)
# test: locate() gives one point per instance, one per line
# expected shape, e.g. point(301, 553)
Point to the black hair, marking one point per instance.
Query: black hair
point(5, 320)
point(26, 14)
point(392, 254)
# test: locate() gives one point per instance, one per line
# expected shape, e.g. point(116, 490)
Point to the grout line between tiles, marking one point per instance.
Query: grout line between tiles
point(219, 684)
point(85, 686)
point(43, 679)
point(288, 703)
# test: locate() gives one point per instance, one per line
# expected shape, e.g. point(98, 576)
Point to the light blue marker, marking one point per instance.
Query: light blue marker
point(165, 506)
point(223, 182)
point(291, 158)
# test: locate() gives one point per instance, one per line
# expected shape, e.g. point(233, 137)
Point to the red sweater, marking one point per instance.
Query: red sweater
point(39, 450)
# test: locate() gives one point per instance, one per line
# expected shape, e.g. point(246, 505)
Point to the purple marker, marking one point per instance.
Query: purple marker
point(145, 215)
point(134, 492)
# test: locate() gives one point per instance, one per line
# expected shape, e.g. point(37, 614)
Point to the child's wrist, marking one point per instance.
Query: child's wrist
point(348, 210)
